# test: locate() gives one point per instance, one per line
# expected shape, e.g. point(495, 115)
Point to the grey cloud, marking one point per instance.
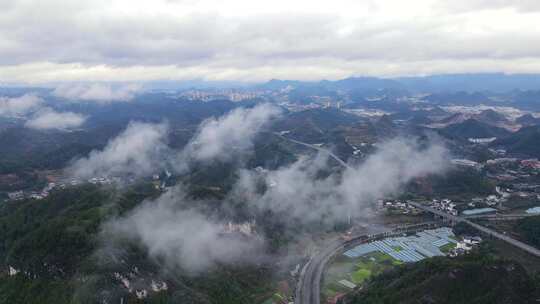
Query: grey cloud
point(385, 172)
point(19, 106)
point(183, 236)
point(180, 231)
point(139, 150)
point(50, 119)
point(176, 230)
point(472, 5)
point(209, 44)
point(32, 108)
point(214, 40)
point(296, 191)
point(227, 136)
point(101, 93)
point(172, 228)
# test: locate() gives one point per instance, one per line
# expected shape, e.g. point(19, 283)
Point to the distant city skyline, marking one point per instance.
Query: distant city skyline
point(50, 41)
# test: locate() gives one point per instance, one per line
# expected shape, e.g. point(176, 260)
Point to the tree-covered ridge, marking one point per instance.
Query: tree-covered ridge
point(530, 229)
point(52, 237)
point(57, 246)
point(475, 278)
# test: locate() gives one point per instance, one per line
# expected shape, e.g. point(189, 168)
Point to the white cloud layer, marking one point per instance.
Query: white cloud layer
point(102, 93)
point(137, 151)
point(54, 40)
point(49, 119)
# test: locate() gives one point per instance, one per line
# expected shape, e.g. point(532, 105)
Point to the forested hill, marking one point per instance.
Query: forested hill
point(468, 279)
point(53, 244)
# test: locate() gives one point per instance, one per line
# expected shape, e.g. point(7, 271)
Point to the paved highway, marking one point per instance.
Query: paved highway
point(485, 230)
point(308, 290)
point(500, 217)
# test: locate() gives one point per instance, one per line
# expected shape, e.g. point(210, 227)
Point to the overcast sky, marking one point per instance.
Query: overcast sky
point(248, 40)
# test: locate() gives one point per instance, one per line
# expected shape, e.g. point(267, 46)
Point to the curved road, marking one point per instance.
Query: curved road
point(308, 290)
point(309, 286)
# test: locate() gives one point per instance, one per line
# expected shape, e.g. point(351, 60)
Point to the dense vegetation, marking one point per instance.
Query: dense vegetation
point(526, 141)
point(456, 183)
point(530, 230)
point(52, 237)
point(313, 125)
point(473, 128)
point(26, 149)
point(55, 243)
point(475, 278)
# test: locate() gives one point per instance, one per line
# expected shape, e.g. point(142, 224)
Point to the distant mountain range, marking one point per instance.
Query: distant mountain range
point(473, 82)
point(520, 91)
point(495, 82)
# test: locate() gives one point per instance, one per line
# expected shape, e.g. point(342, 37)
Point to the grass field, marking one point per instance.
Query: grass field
point(356, 270)
point(360, 275)
point(446, 248)
point(275, 299)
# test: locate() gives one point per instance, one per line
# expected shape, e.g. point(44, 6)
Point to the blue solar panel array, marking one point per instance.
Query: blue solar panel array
point(408, 249)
